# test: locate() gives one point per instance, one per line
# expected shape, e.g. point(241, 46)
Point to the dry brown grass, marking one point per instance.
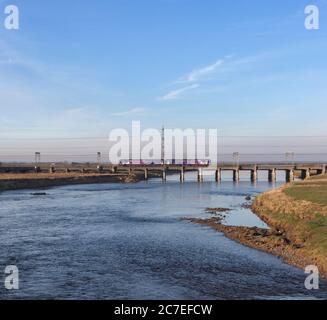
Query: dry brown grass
point(304, 222)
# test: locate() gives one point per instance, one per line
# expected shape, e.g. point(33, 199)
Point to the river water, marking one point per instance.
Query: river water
point(127, 241)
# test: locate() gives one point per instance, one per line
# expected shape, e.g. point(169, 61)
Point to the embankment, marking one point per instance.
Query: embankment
point(294, 212)
point(44, 180)
point(297, 217)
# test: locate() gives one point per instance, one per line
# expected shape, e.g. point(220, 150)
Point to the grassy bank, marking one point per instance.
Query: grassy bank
point(299, 211)
point(312, 190)
point(297, 216)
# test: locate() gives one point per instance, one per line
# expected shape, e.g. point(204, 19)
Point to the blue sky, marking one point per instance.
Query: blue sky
point(80, 68)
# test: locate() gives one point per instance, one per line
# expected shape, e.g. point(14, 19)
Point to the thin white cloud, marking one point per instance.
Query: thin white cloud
point(128, 112)
point(198, 74)
point(175, 94)
point(192, 78)
point(228, 65)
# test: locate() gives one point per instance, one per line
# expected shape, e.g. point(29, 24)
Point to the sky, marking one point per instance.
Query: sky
point(81, 68)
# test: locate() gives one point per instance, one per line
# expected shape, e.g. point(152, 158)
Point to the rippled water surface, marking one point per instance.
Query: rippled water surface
point(118, 241)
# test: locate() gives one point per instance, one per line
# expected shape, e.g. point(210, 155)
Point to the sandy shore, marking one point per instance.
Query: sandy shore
point(44, 180)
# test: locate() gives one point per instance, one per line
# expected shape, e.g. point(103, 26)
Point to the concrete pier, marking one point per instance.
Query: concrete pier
point(164, 175)
point(200, 175)
point(218, 175)
point(322, 170)
point(289, 175)
point(254, 175)
point(182, 175)
point(305, 174)
point(236, 175)
point(272, 175)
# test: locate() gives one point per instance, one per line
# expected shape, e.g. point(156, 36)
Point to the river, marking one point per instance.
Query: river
point(127, 241)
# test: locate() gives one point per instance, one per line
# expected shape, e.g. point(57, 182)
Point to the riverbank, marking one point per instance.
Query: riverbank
point(45, 180)
point(299, 211)
point(297, 216)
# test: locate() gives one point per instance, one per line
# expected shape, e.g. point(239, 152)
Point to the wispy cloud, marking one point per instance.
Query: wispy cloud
point(175, 94)
point(192, 78)
point(199, 74)
point(208, 75)
point(128, 112)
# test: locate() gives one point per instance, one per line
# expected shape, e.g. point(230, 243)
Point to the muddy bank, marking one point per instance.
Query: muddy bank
point(34, 181)
point(304, 223)
point(271, 241)
point(217, 210)
point(295, 234)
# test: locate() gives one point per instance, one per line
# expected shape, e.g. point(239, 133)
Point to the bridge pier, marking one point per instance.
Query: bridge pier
point(289, 175)
point(322, 170)
point(305, 174)
point(146, 174)
point(254, 175)
point(236, 175)
point(218, 175)
point(182, 175)
point(272, 175)
point(200, 175)
point(164, 175)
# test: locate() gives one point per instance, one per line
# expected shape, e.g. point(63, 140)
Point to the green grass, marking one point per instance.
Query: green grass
point(316, 193)
point(318, 230)
point(310, 226)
